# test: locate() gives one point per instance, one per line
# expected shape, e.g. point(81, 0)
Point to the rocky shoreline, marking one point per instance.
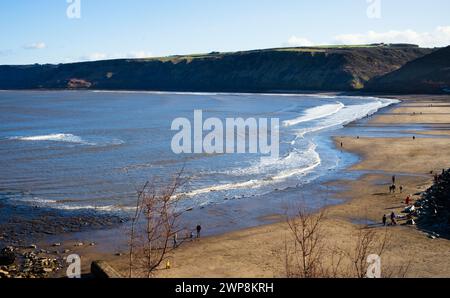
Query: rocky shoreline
point(21, 226)
point(28, 263)
point(434, 212)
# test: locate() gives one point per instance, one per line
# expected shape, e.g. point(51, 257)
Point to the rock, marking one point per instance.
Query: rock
point(4, 274)
point(32, 246)
point(66, 251)
point(79, 244)
point(119, 254)
point(411, 222)
point(57, 244)
point(92, 244)
point(7, 257)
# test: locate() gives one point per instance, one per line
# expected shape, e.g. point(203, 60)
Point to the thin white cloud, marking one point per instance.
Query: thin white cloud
point(139, 54)
point(439, 37)
point(94, 56)
point(35, 46)
point(295, 41)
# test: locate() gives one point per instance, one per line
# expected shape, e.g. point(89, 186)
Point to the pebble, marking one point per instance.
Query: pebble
point(32, 265)
point(57, 244)
point(4, 274)
point(79, 244)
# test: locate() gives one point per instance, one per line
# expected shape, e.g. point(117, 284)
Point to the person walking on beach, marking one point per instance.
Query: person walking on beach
point(199, 229)
point(384, 220)
point(408, 200)
point(393, 221)
point(175, 240)
point(393, 180)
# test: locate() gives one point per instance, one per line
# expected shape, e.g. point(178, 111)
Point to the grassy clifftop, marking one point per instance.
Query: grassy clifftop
point(288, 69)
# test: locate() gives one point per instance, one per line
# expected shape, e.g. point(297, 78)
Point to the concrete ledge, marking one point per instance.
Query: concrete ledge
point(101, 269)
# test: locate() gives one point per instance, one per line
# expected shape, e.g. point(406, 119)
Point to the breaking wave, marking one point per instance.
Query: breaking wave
point(67, 138)
point(60, 137)
point(316, 113)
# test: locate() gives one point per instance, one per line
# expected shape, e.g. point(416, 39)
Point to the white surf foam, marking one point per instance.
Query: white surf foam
point(348, 114)
point(298, 163)
point(68, 138)
point(316, 113)
point(55, 204)
point(59, 137)
point(318, 95)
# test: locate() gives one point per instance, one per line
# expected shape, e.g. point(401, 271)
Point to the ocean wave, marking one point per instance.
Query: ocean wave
point(58, 137)
point(347, 115)
point(297, 163)
point(63, 205)
point(316, 113)
point(318, 95)
point(68, 138)
point(294, 159)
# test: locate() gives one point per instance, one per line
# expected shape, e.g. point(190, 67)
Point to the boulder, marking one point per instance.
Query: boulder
point(7, 257)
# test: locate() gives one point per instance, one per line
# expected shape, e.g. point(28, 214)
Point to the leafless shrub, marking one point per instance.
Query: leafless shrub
point(398, 271)
point(154, 226)
point(367, 243)
point(303, 259)
point(308, 255)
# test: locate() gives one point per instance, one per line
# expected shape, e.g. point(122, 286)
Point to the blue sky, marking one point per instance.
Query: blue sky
point(39, 31)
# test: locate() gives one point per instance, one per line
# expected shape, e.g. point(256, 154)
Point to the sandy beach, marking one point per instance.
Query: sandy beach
point(258, 252)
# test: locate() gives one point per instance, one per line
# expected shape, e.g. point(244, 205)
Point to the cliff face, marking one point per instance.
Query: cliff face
point(333, 69)
point(428, 74)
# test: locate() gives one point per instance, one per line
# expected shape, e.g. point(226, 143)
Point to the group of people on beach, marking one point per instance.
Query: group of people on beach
point(393, 216)
point(190, 236)
point(393, 186)
point(410, 208)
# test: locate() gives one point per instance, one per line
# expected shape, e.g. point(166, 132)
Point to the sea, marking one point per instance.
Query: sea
point(94, 150)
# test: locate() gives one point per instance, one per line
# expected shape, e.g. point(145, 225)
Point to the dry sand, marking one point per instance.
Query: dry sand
point(258, 252)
